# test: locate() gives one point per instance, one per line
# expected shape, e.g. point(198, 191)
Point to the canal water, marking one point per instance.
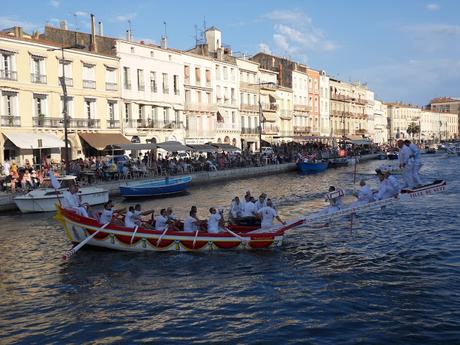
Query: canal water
point(393, 278)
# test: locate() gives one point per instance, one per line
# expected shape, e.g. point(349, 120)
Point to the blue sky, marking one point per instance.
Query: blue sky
point(406, 50)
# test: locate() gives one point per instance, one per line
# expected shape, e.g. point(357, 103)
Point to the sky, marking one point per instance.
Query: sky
point(405, 50)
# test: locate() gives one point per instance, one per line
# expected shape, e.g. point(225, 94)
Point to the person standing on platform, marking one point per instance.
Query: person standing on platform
point(404, 163)
point(415, 163)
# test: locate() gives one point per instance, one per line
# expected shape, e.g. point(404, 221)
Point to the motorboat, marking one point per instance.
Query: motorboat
point(158, 187)
point(44, 198)
point(311, 166)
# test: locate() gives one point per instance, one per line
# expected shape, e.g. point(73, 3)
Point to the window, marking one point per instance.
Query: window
point(40, 105)
point(232, 95)
point(234, 117)
point(152, 54)
point(111, 79)
point(209, 97)
point(89, 80)
point(141, 112)
point(7, 70)
point(217, 72)
point(208, 77)
point(38, 70)
point(153, 81)
point(232, 74)
point(187, 96)
point(165, 83)
point(67, 66)
point(225, 73)
point(176, 84)
point(9, 116)
point(166, 115)
point(187, 74)
point(126, 78)
point(112, 122)
point(177, 116)
point(140, 80)
point(69, 105)
point(132, 50)
point(197, 75)
point(90, 105)
point(127, 112)
point(198, 96)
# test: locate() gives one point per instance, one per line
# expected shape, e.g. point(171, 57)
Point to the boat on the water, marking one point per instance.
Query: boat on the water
point(392, 155)
point(118, 237)
point(44, 198)
point(161, 187)
point(338, 162)
point(311, 167)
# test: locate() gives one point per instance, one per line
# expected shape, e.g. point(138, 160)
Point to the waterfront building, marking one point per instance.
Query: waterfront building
point(446, 105)
point(32, 121)
point(434, 126)
point(220, 81)
point(152, 91)
point(324, 106)
point(378, 128)
point(249, 103)
point(269, 116)
point(285, 101)
point(349, 109)
point(301, 108)
point(313, 100)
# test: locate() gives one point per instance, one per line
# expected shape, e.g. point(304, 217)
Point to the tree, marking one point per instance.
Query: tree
point(413, 129)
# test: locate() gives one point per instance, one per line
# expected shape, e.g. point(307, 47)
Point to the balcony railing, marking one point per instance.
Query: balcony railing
point(68, 81)
point(89, 84)
point(174, 125)
point(302, 129)
point(269, 129)
point(111, 86)
point(113, 123)
point(8, 75)
point(10, 121)
point(84, 123)
point(38, 78)
point(249, 107)
point(249, 130)
point(270, 107)
point(127, 86)
point(227, 126)
point(200, 107)
point(300, 107)
point(145, 124)
point(58, 122)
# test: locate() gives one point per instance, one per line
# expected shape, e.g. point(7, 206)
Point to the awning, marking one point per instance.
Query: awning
point(150, 146)
point(173, 146)
point(269, 116)
point(100, 141)
point(31, 140)
point(203, 148)
point(226, 147)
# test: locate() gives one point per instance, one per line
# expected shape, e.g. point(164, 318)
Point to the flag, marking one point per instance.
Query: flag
point(54, 182)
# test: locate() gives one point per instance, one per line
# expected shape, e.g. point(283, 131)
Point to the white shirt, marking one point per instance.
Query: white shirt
point(71, 201)
point(106, 216)
point(160, 222)
point(365, 194)
point(404, 154)
point(6, 168)
point(130, 220)
point(393, 184)
point(415, 152)
point(268, 213)
point(259, 204)
point(235, 209)
point(213, 223)
point(190, 224)
point(248, 209)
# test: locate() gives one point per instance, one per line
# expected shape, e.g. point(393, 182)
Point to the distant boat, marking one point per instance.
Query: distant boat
point(338, 162)
point(311, 167)
point(161, 187)
point(392, 155)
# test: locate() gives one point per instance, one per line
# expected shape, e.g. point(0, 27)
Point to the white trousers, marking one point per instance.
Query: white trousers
point(407, 176)
point(415, 169)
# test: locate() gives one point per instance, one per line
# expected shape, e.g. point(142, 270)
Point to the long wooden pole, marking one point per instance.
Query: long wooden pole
point(75, 249)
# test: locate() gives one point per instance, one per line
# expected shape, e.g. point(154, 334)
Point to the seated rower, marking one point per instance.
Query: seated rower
point(161, 221)
point(236, 208)
point(215, 221)
point(107, 212)
point(389, 186)
point(249, 208)
point(268, 213)
point(172, 219)
point(191, 223)
point(364, 195)
point(138, 213)
point(262, 202)
point(130, 218)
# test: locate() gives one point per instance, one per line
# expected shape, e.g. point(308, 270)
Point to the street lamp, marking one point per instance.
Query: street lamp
point(64, 110)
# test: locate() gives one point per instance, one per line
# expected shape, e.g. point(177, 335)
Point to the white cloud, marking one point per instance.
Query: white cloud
point(263, 47)
point(81, 14)
point(294, 33)
point(125, 17)
point(7, 22)
point(435, 29)
point(432, 7)
point(55, 3)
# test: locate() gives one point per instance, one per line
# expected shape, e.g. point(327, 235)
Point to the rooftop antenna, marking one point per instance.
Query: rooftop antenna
point(130, 30)
point(196, 34)
point(76, 21)
point(166, 33)
point(203, 37)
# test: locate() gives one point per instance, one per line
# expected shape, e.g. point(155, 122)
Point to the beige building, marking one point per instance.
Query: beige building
point(32, 97)
point(446, 105)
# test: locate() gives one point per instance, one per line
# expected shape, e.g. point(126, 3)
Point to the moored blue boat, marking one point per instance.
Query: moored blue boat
point(311, 167)
point(159, 187)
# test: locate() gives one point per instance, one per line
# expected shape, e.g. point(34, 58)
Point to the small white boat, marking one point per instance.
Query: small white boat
point(44, 198)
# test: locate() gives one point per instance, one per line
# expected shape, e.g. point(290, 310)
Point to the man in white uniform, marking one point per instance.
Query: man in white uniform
point(130, 218)
point(191, 222)
point(249, 208)
point(107, 213)
point(268, 213)
point(236, 207)
point(389, 186)
point(161, 221)
point(404, 164)
point(415, 163)
point(214, 221)
point(72, 201)
point(364, 195)
point(262, 202)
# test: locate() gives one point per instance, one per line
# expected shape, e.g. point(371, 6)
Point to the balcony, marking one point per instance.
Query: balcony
point(89, 84)
point(341, 132)
point(254, 131)
point(145, 124)
point(285, 115)
point(249, 107)
point(48, 122)
point(300, 107)
point(227, 126)
point(10, 121)
point(111, 86)
point(38, 78)
point(270, 107)
point(200, 107)
point(269, 129)
point(302, 129)
point(84, 123)
point(8, 75)
point(113, 123)
point(174, 125)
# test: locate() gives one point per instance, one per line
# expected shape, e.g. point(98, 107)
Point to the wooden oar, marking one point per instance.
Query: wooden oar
point(75, 249)
point(134, 233)
point(194, 239)
point(161, 236)
point(236, 235)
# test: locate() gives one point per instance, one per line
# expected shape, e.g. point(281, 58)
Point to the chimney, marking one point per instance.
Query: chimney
point(18, 32)
point(101, 29)
point(128, 35)
point(63, 25)
point(164, 42)
point(93, 46)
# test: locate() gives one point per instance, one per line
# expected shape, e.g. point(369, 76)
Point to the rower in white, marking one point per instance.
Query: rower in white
point(364, 195)
point(249, 208)
point(161, 221)
point(72, 201)
point(268, 213)
point(335, 199)
point(389, 186)
point(236, 208)
point(191, 222)
point(262, 202)
point(415, 163)
point(215, 221)
point(404, 164)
